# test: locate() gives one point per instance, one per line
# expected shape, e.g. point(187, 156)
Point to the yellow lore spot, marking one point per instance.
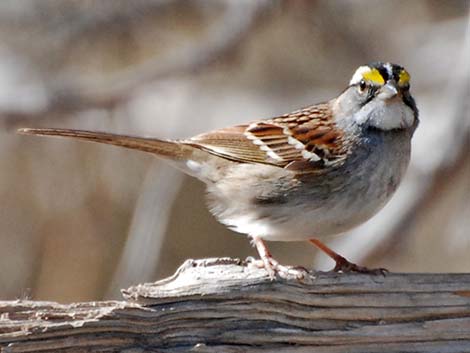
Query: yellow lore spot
point(403, 78)
point(374, 76)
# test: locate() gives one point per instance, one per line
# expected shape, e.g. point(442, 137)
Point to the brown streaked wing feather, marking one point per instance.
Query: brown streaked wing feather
point(273, 139)
point(230, 143)
point(305, 140)
point(316, 131)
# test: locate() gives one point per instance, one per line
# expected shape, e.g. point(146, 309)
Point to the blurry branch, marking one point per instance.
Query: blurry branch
point(220, 305)
point(223, 36)
point(148, 228)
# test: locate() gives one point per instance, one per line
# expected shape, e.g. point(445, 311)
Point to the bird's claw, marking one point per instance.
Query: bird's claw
point(344, 266)
point(274, 268)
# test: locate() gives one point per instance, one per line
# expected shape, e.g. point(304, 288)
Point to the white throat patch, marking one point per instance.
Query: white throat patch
point(386, 115)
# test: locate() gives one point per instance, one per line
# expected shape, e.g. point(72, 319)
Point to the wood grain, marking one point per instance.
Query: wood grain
point(222, 305)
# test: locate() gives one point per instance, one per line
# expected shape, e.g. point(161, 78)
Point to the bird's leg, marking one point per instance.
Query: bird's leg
point(269, 263)
point(272, 266)
point(342, 264)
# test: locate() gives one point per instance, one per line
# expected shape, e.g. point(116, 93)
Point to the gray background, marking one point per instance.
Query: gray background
point(80, 221)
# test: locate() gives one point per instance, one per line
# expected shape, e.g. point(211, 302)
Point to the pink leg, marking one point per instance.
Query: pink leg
point(269, 263)
point(272, 266)
point(343, 265)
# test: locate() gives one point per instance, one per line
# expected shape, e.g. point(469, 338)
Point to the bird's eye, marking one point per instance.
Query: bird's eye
point(362, 86)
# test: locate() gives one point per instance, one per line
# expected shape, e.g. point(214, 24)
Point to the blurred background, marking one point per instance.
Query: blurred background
point(80, 221)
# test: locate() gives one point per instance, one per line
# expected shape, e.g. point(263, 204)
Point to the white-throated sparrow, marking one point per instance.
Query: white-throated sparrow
point(317, 171)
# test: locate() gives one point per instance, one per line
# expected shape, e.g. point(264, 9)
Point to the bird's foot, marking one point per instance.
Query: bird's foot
point(344, 266)
point(274, 268)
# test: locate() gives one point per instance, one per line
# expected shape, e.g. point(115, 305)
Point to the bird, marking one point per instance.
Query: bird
point(303, 176)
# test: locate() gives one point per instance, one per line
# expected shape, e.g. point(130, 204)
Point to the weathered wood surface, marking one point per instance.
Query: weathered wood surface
point(224, 306)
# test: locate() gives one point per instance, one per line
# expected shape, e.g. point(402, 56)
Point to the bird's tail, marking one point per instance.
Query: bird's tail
point(168, 149)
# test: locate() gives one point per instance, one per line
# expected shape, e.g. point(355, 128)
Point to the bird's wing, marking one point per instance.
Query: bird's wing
point(304, 140)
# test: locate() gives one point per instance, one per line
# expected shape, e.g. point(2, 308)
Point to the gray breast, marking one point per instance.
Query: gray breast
point(277, 204)
point(356, 191)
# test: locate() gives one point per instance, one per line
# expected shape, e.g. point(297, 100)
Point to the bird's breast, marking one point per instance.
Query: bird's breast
point(276, 204)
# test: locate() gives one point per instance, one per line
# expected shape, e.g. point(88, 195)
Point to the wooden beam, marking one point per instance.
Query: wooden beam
point(223, 305)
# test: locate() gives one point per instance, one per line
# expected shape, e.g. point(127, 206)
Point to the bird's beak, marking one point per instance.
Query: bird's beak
point(388, 91)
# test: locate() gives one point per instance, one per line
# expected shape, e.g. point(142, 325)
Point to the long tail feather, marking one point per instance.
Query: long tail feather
point(169, 149)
